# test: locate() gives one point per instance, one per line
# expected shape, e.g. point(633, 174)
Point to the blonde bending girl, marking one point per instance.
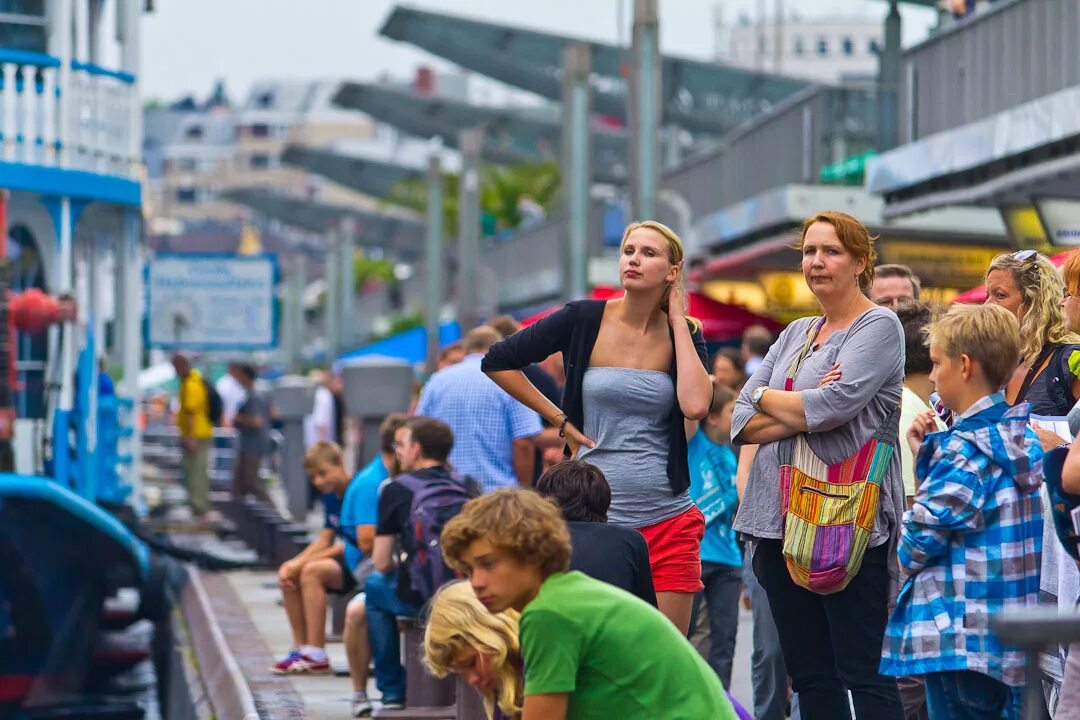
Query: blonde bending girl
point(463, 637)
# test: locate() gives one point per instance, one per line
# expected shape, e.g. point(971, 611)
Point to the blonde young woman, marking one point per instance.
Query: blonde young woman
point(635, 370)
point(464, 637)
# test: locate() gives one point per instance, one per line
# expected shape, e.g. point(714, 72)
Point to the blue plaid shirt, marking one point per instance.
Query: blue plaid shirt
point(971, 544)
point(485, 421)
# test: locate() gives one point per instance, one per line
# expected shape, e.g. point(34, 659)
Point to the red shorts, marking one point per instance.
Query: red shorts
point(675, 552)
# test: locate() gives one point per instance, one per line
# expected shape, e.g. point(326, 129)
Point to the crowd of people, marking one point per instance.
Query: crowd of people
point(574, 512)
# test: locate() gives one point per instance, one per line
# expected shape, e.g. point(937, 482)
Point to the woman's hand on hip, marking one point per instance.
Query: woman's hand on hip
point(576, 439)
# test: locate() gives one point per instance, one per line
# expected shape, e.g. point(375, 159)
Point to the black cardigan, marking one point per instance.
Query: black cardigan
point(573, 329)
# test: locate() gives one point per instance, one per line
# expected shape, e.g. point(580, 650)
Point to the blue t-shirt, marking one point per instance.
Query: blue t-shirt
point(360, 505)
point(712, 488)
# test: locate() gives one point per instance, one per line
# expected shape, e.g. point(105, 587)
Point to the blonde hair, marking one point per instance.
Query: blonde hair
point(520, 523)
point(855, 238)
point(323, 451)
point(456, 621)
point(1041, 291)
point(675, 256)
point(988, 334)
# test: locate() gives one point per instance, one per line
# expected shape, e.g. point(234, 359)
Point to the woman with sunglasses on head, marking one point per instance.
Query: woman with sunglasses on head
point(635, 371)
point(1027, 284)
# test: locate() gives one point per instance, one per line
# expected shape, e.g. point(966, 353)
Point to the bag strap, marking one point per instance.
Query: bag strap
point(1035, 371)
point(811, 336)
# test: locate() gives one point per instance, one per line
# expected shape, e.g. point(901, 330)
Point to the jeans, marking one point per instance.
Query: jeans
point(723, 583)
point(384, 607)
point(964, 695)
point(832, 643)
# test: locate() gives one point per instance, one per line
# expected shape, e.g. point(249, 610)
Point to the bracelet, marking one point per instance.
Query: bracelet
point(562, 425)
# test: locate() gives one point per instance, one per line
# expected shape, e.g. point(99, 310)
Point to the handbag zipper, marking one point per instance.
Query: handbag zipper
point(807, 488)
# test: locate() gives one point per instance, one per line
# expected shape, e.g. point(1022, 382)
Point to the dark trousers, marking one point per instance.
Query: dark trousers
point(723, 584)
point(832, 643)
point(965, 695)
point(246, 480)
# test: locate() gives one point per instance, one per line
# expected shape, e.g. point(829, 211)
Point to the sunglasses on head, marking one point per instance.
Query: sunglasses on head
point(1023, 255)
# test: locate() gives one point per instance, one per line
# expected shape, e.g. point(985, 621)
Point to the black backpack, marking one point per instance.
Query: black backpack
point(215, 408)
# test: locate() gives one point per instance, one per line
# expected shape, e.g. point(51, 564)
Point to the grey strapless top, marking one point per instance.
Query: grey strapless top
point(626, 413)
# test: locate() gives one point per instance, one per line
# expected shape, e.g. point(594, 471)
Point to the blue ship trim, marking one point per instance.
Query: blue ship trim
point(75, 184)
point(44, 489)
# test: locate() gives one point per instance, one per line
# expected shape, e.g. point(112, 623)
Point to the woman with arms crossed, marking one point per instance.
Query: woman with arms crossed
point(846, 386)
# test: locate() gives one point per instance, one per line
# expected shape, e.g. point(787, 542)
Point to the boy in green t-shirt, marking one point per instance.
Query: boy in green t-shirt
point(590, 650)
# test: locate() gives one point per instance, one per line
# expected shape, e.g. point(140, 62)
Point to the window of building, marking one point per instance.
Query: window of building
point(847, 45)
point(874, 47)
point(194, 132)
point(23, 26)
point(185, 164)
point(823, 46)
point(259, 161)
point(264, 100)
point(186, 195)
point(260, 130)
point(799, 45)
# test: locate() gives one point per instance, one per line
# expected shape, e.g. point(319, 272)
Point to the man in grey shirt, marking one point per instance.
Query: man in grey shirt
point(252, 423)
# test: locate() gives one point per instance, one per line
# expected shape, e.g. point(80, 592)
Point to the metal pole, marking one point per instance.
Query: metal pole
point(433, 257)
point(576, 163)
point(645, 109)
point(130, 313)
point(297, 286)
point(331, 299)
point(64, 286)
point(348, 281)
point(62, 35)
point(778, 38)
point(889, 80)
point(470, 143)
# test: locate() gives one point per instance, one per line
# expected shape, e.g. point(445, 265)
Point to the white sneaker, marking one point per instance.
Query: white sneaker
point(361, 708)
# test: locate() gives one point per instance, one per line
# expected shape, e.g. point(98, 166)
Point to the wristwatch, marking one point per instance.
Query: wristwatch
point(755, 397)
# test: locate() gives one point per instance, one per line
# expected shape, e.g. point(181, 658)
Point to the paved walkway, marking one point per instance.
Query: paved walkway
point(327, 697)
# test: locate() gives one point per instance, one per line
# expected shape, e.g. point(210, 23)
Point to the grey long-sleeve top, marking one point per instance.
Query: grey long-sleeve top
point(841, 416)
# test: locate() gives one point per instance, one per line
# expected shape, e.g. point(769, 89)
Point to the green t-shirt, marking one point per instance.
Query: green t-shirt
point(615, 655)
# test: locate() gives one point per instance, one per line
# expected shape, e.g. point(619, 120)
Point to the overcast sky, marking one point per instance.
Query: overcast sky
point(187, 44)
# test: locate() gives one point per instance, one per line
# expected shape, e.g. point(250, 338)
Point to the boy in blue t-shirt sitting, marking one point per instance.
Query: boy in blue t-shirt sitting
point(712, 487)
point(359, 515)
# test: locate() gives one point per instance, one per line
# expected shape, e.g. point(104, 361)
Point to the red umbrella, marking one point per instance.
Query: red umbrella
point(720, 321)
point(978, 295)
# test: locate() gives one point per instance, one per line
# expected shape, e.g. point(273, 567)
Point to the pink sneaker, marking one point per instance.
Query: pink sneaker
point(296, 663)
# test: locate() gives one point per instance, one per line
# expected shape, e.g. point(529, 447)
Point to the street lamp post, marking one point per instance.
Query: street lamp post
point(576, 163)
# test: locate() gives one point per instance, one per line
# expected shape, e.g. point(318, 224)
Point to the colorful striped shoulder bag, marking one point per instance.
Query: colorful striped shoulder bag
point(829, 509)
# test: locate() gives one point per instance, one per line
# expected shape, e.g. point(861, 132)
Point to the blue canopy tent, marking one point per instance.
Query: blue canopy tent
point(409, 345)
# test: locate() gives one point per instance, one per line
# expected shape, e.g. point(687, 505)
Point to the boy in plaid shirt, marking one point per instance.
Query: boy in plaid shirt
point(971, 543)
